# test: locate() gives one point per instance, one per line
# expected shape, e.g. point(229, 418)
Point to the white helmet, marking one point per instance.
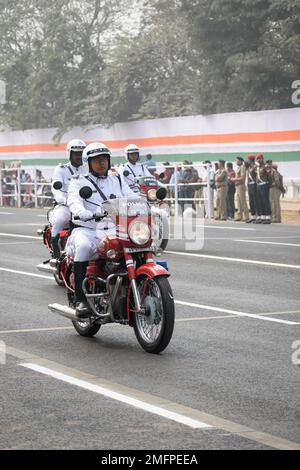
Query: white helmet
point(93, 150)
point(75, 145)
point(132, 148)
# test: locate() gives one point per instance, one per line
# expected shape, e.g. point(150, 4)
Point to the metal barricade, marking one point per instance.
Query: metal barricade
point(21, 187)
point(182, 194)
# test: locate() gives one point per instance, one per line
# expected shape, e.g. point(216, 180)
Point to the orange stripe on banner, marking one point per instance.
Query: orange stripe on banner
point(242, 137)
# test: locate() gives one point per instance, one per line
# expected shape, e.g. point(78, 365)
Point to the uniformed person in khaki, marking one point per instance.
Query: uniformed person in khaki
point(240, 186)
point(276, 190)
point(221, 182)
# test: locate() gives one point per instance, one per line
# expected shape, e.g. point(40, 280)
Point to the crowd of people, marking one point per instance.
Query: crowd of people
point(261, 180)
point(223, 190)
point(248, 190)
point(14, 181)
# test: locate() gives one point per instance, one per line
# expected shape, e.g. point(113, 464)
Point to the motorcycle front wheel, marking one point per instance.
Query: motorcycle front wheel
point(154, 329)
point(161, 231)
point(164, 233)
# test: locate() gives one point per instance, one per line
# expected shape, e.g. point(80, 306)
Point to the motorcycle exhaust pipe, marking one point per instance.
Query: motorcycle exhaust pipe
point(64, 311)
point(46, 268)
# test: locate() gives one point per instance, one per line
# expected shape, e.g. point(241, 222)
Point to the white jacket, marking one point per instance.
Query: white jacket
point(134, 170)
point(109, 185)
point(64, 173)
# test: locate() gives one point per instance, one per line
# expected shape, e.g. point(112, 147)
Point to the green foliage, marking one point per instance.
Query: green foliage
point(250, 48)
point(70, 63)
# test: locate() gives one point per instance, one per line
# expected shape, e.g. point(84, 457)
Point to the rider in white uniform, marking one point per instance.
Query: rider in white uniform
point(133, 168)
point(63, 173)
point(85, 237)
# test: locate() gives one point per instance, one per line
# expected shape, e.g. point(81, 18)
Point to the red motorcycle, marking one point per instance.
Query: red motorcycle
point(52, 265)
point(125, 285)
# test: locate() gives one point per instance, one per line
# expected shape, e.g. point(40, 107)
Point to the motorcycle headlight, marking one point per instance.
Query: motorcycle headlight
point(139, 233)
point(151, 195)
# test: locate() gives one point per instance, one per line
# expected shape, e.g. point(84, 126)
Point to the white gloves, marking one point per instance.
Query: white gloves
point(98, 213)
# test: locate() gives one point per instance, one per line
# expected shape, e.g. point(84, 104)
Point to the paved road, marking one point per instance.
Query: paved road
point(226, 381)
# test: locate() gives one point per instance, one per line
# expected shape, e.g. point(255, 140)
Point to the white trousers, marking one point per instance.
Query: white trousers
point(83, 243)
point(208, 194)
point(60, 219)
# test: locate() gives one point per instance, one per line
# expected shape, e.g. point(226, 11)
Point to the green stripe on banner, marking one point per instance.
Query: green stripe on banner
point(194, 157)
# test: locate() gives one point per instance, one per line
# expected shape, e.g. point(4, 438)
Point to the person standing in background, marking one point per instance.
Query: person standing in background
point(252, 190)
point(150, 164)
point(208, 190)
point(221, 181)
point(243, 211)
point(276, 190)
point(231, 191)
point(263, 189)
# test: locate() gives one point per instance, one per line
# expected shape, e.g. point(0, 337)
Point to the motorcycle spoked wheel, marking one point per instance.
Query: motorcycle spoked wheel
point(154, 330)
point(162, 231)
point(85, 327)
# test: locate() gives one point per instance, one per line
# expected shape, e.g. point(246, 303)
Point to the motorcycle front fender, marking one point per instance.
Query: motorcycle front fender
point(151, 270)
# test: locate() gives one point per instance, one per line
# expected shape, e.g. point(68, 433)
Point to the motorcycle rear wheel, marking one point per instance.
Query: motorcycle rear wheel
point(154, 330)
point(86, 328)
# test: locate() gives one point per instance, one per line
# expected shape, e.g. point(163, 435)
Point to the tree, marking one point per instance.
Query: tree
point(150, 74)
point(248, 47)
point(73, 63)
point(50, 55)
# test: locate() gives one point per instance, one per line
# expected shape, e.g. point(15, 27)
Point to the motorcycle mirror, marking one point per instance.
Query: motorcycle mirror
point(57, 185)
point(85, 192)
point(126, 173)
point(161, 193)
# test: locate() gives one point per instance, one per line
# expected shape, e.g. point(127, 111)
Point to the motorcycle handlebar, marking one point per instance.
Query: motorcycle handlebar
point(95, 217)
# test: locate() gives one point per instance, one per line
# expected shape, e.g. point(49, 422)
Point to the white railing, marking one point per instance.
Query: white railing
point(31, 187)
point(27, 187)
point(24, 188)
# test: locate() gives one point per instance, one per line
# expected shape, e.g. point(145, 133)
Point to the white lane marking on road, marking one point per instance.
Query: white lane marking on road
point(230, 316)
point(36, 330)
point(252, 238)
point(42, 215)
point(280, 313)
point(180, 320)
point(25, 274)
point(16, 243)
point(16, 235)
point(188, 304)
point(248, 229)
point(6, 213)
point(266, 243)
point(227, 228)
point(236, 260)
point(212, 420)
point(234, 312)
point(193, 423)
point(22, 225)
